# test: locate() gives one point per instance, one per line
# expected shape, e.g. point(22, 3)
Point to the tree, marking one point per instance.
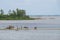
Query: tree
point(23, 13)
point(1, 12)
point(9, 12)
point(20, 13)
point(14, 14)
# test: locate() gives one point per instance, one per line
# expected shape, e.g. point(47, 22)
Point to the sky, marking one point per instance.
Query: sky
point(32, 7)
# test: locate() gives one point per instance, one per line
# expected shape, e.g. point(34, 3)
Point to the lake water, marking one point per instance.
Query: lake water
point(30, 35)
point(43, 23)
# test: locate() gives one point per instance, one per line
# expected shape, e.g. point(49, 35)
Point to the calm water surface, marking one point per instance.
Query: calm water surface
point(31, 34)
point(49, 23)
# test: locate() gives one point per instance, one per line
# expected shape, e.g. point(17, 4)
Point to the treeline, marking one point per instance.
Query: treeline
point(17, 14)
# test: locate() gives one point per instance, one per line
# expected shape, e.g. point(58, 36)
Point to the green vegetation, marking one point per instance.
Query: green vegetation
point(17, 14)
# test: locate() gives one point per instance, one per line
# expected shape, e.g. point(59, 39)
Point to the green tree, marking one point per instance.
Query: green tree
point(14, 14)
point(23, 13)
point(9, 12)
point(20, 13)
point(1, 12)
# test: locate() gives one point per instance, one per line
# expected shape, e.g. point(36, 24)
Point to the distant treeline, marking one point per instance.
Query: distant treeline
point(17, 14)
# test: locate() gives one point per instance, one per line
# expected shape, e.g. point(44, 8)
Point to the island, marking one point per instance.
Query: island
point(18, 14)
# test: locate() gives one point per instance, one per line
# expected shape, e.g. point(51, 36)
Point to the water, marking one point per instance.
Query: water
point(30, 25)
point(43, 23)
point(30, 35)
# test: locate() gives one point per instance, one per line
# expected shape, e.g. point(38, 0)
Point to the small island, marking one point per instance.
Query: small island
point(18, 14)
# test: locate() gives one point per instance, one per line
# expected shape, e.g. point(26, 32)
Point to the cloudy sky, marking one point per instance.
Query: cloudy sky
point(33, 7)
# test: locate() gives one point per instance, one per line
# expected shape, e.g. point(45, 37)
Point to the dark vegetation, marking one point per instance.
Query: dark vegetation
point(17, 14)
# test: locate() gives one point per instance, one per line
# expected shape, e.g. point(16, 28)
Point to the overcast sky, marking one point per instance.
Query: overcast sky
point(33, 7)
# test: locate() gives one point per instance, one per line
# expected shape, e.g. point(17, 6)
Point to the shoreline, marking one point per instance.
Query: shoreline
point(33, 29)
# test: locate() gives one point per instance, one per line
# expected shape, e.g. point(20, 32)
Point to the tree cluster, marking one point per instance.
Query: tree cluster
point(17, 14)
